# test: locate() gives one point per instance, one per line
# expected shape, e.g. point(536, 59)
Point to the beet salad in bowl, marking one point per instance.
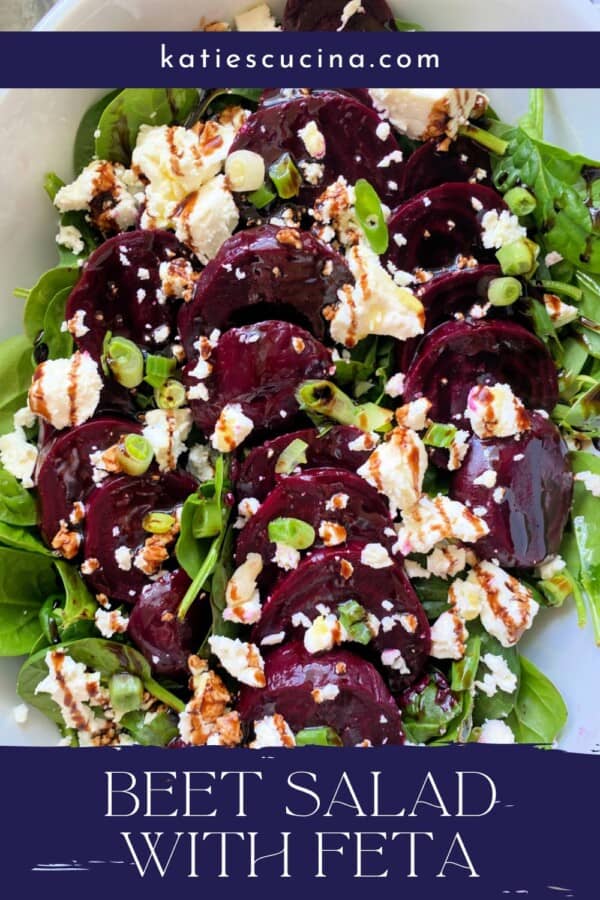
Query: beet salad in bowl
point(299, 439)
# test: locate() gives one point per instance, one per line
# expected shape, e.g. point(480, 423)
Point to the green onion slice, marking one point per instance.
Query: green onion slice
point(158, 522)
point(293, 455)
point(293, 532)
point(352, 617)
point(126, 692)
point(369, 213)
point(170, 395)
point(135, 454)
point(262, 197)
point(484, 138)
point(504, 291)
point(518, 257)
point(158, 369)
point(325, 399)
point(285, 176)
point(319, 736)
point(520, 201)
point(126, 362)
point(438, 435)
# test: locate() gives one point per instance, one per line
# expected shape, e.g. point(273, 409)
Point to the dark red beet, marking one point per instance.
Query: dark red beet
point(257, 473)
point(119, 505)
point(64, 470)
point(254, 277)
point(271, 96)
point(527, 521)
point(154, 628)
point(429, 167)
point(352, 146)
point(260, 367)
point(450, 292)
point(456, 356)
point(447, 215)
point(299, 15)
point(108, 291)
point(362, 710)
point(365, 517)
point(320, 579)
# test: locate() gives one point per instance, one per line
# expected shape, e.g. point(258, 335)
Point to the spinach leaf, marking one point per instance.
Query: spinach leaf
point(459, 729)
point(38, 300)
point(79, 607)
point(540, 713)
point(157, 732)
point(85, 138)
point(17, 506)
point(430, 710)
point(190, 552)
point(502, 703)
point(407, 26)
point(433, 594)
point(215, 101)
point(120, 121)
point(26, 580)
point(23, 539)
point(464, 671)
point(91, 239)
point(585, 518)
point(59, 342)
point(16, 369)
point(99, 655)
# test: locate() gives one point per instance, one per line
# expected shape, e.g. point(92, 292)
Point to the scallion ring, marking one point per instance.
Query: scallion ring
point(369, 213)
point(292, 532)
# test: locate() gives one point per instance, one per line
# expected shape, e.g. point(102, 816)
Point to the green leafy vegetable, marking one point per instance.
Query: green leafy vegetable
point(23, 539)
point(430, 711)
point(222, 572)
point(17, 506)
point(41, 295)
point(154, 730)
point(58, 342)
point(26, 580)
point(585, 518)
point(540, 713)
point(16, 369)
point(85, 139)
point(501, 703)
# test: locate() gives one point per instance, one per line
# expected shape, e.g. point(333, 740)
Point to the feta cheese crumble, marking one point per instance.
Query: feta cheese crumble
point(449, 636)
point(495, 731)
point(166, 430)
point(495, 411)
point(241, 594)
point(66, 392)
point(109, 622)
point(423, 113)
point(232, 427)
point(500, 229)
point(242, 660)
point(272, 731)
point(397, 468)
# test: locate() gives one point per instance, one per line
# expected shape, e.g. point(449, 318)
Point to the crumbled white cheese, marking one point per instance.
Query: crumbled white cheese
point(352, 8)
point(466, 598)
point(199, 464)
point(449, 636)
point(271, 640)
point(242, 660)
point(109, 622)
point(332, 533)
point(76, 324)
point(414, 414)
point(487, 478)
point(414, 570)
point(167, 430)
point(500, 229)
point(494, 411)
point(66, 392)
point(74, 690)
point(393, 658)
point(241, 594)
point(375, 304)
point(324, 633)
point(70, 237)
point(458, 450)
point(551, 566)
point(397, 468)
point(590, 480)
point(375, 556)
point(560, 313)
point(207, 218)
point(246, 509)
point(313, 172)
point(499, 677)
point(432, 520)
point(123, 558)
point(334, 210)
point(118, 188)
point(337, 501)
point(232, 427)
point(328, 692)
point(286, 557)
point(396, 156)
point(258, 18)
point(313, 140)
point(272, 731)
point(507, 608)
point(18, 456)
point(495, 731)
point(423, 113)
point(366, 441)
point(394, 386)
point(207, 719)
point(383, 131)
point(447, 560)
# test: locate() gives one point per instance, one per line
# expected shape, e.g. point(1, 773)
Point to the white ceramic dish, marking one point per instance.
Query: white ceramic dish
point(36, 131)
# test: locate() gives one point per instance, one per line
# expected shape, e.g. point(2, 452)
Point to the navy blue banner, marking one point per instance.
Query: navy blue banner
point(459, 822)
point(424, 59)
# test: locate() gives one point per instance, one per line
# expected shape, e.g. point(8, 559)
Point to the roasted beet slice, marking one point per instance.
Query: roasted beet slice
point(364, 515)
point(452, 292)
point(456, 356)
point(430, 166)
point(375, 15)
point(154, 628)
point(65, 471)
point(260, 368)
point(115, 512)
point(361, 710)
point(261, 274)
point(528, 504)
point(352, 148)
point(279, 95)
point(120, 291)
point(332, 576)
point(440, 225)
point(257, 475)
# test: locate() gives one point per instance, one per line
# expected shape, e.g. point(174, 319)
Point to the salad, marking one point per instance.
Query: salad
point(298, 441)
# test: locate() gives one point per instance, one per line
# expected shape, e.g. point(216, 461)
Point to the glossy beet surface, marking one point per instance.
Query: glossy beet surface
point(331, 576)
point(115, 512)
point(326, 15)
point(440, 225)
point(331, 450)
point(154, 628)
point(260, 367)
point(528, 507)
point(365, 516)
point(256, 276)
point(450, 292)
point(457, 355)
point(349, 128)
point(428, 166)
point(120, 291)
point(65, 472)
point(362, 710)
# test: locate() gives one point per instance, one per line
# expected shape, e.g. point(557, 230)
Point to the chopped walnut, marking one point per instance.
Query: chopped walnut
point(289, 237)
point(206, 718)
point(154, 552)
point(66, 542)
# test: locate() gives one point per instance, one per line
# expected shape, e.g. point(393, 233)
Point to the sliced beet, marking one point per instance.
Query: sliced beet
point(259, 367)
point(120, 291)
point(528, 506)
point(154, 628)
point(429, 166)
point(362, 710)
point(326, 15)
point(365, 516)
point(331, 450)
point(352, 146)
point(456, 356)
point(115, 512)
point(271, 96)
point(441, 224)
point(332, 576)
point(65, 472)
point(256, 276)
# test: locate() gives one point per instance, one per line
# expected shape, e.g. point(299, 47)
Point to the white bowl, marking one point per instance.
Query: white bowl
point(37, 129)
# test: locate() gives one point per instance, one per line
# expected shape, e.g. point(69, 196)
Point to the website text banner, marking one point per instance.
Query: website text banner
point(415, 59)
point(471, 822)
